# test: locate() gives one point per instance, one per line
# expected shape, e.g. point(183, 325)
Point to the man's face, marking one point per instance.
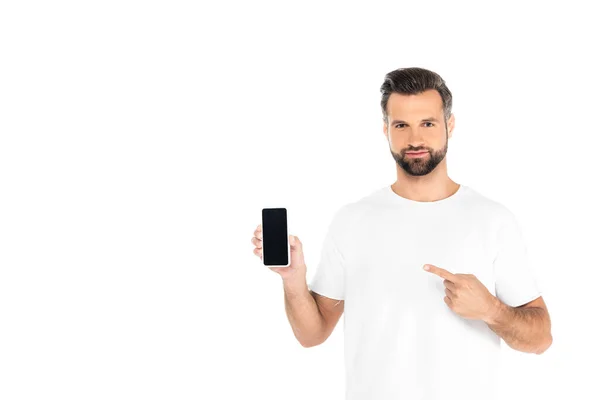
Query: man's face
point(416, 124)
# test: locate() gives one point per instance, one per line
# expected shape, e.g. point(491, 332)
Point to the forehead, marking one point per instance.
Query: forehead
point(427, 103)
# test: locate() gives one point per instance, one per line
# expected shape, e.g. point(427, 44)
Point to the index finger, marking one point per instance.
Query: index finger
point(441, 272)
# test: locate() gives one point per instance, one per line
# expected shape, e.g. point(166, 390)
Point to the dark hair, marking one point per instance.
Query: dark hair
point(414, 80)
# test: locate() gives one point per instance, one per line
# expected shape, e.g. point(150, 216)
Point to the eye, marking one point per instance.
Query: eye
point(429, 123)
point(398, 125)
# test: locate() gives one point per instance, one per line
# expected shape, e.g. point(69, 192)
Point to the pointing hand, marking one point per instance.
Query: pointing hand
point(465, 294)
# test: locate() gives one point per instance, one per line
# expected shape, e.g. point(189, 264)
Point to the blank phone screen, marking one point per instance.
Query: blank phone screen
point(274, 236)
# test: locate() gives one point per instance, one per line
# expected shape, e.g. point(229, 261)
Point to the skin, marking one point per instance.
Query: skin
point(312, 316)
point(420, 179)
point(414, 122)
point(525, 328)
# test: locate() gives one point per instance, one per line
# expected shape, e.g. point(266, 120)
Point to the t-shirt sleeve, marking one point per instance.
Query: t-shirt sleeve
point(328, 279)
point(516, 283)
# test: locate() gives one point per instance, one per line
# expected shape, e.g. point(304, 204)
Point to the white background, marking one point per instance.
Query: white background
point(140, 140)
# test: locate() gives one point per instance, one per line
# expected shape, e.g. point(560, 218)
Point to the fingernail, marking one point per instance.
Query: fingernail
point(426, 267)
point(291, 240)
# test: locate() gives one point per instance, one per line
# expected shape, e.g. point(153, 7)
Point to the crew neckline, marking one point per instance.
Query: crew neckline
point(403, 200)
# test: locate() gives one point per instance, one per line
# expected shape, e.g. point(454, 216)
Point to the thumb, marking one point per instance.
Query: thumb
point(295, 243)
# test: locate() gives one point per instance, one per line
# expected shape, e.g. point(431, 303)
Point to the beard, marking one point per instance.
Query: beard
point(422, 165)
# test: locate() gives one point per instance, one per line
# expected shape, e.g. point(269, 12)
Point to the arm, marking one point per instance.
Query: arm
point(525, 328)
point(311, 315)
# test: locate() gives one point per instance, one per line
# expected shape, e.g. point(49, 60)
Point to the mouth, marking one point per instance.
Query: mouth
point(416, 154)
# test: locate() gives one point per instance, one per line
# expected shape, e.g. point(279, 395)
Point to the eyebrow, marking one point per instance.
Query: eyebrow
point(397, 121)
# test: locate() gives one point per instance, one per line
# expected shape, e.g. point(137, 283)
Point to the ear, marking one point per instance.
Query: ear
point(450, 125)
point(385, 130)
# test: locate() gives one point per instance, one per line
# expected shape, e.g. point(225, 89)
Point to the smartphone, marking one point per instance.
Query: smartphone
point(275, 245)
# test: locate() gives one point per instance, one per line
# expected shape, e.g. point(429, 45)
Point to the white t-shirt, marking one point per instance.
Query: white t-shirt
point(401, 339)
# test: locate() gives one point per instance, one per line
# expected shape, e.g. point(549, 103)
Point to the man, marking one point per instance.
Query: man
point(430, 273)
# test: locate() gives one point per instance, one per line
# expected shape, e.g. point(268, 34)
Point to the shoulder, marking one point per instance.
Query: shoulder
point(357, 208)
point(350, 213)
point(489, 209)
point(477, 199)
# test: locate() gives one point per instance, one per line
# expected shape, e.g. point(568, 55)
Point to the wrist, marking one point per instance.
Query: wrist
point(294, 283)
point(495, 311)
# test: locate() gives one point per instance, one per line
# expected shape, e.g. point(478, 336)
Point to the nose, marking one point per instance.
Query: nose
point(415, 140)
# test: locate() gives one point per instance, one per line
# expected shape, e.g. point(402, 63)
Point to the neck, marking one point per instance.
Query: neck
point(431, 187)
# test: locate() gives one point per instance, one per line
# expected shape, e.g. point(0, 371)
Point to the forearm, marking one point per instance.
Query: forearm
point(303, 313)
point(523, 329)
